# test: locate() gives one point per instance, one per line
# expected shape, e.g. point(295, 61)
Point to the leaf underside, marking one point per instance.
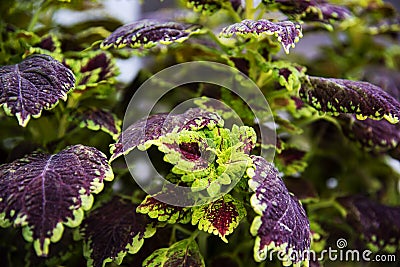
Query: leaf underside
point(282, 225)
point(37, 83)
point(41, 192)
point(287, 32)
point(371, 134)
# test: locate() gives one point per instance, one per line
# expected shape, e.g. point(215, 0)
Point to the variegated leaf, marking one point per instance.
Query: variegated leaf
point(220, 217)
point(113, 230)
point(184, 253)
point(363, 99)
point(43, 192)
point(282, 225)
point(143, 132)
point(37, 83)
point(287, 32)
point(164, 212)
point(148, 33)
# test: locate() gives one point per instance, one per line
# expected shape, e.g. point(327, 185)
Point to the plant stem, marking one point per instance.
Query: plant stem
point(228, 7)
point(202, 242)
point(36, 15)
point(216, 39)
point(249, 9)
point(322, 204)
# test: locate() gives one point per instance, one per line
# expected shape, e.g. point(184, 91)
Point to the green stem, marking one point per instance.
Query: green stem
point(184, 230)
point(202, 242)
point(249, 9)
point(228, 7)
point(328, 203)
point(216, 39)
point(36, 15)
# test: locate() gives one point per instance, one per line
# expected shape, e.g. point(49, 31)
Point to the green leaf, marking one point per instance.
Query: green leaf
point(220, 217)
point(184, 253)
point(164, 212)
point(206, 7)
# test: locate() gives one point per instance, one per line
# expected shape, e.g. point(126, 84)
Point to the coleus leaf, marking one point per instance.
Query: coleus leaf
point(209, 158)
point(282, 225)
point(371, 134)
point(143, 132)
point(291, 160)
point(113, 230)
point(164, 212)
point(184, 253)
point(49, 45)
point(100, 119)
point(287, 32)
point(43, 192)
point(148, 33)
point(37, 83)
point(337, 96)
point(376, 223)
point(206, 7)
point(220, 217)
point(312, 9)
point(385, 78)
point(92, 69)
point(188, 151)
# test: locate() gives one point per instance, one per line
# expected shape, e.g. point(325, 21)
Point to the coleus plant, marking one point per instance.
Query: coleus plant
point(63, 177)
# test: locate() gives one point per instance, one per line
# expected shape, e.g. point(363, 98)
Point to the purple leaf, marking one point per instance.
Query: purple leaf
point(188, 151)
point(377, 223)
point(319, 10)
point(287, 32)
point(144, 131)
point(99, 119)
point(282, 225)
point(49, 43)
point(103, 63)
point(41, 192)
point(387, 79)
point(344, 96)
point(164, 212)
point(371, 134)
point(37, 83)
point(220, 217)
point(291, 161)
point(93, 69)
point(113, 230)
point(148, 33)
point(184, 253)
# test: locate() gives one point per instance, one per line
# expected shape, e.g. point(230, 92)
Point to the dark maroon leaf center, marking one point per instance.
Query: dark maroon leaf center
point(190, 151)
